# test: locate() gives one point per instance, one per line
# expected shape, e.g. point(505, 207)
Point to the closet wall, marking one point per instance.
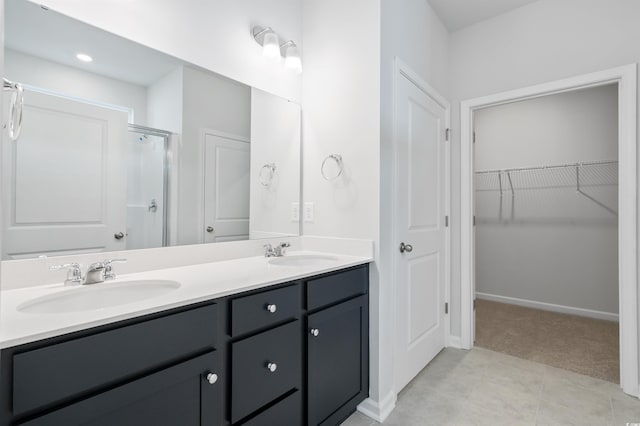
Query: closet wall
point(545, 242)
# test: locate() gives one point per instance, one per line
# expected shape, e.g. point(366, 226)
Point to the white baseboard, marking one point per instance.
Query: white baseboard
point(548, 307)
point(378, 411)
point(455, 342)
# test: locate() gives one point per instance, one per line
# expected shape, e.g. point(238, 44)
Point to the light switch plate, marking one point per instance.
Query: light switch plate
point(308, 212)
point(295, 212)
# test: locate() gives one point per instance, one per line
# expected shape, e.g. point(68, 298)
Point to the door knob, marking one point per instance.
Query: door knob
point(272, 367)
point(272, 308)
point(209, 229)
point(406, 247)
point(118, 235)
point(314, 332)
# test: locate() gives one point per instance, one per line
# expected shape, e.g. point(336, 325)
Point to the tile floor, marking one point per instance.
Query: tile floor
point(482, 387)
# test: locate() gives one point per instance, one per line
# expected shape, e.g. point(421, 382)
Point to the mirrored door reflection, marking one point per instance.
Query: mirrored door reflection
point(147, 176)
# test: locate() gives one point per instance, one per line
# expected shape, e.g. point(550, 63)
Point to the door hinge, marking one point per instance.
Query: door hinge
point(446, 221)
point(474, 304)
point(474, 136)
point(474, 220)
point(446, 307)
point(447, 133)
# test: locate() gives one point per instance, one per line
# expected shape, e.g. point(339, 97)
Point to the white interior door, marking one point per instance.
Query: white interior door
point(226, 189)
point(64, 180)
point(420, 269)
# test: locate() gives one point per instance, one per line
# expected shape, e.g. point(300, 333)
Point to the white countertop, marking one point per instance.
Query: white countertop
point(198, 283)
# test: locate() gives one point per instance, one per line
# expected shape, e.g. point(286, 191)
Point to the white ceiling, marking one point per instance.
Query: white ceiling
point(457, 14)
point(46, 34)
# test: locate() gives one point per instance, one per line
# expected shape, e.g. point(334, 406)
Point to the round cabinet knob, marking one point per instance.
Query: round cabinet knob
point(209, 229)
point(272, 308)
point(212, 378)
point(118, 235)
point(314, 332)
point(272, 367)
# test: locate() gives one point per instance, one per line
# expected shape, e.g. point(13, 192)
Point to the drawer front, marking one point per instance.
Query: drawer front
point(46, 376)
point(261, 310)
point(253, 385)
point(179, 395)
point(287, 412)
point(337, 287)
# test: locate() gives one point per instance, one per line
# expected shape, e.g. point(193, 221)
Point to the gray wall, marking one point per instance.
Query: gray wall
point(548, 243)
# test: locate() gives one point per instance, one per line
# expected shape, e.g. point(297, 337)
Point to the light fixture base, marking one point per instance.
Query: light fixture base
point(258, 34)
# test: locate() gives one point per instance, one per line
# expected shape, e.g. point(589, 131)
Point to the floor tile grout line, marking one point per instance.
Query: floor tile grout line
point(544, 378)
point(613, 412)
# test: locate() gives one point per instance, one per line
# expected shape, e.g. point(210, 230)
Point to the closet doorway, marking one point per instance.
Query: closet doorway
point(546, 235)
point(549, 248)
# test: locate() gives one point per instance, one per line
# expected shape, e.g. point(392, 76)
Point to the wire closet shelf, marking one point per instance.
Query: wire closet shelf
point(579, 175)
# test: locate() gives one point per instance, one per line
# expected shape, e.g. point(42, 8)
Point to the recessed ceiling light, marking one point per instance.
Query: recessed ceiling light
point(84, 57)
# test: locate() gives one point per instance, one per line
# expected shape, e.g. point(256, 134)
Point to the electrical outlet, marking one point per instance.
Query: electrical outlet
point(308, 212)
point(295, 212)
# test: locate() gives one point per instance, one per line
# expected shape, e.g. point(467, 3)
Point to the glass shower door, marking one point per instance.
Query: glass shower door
point(146, 188)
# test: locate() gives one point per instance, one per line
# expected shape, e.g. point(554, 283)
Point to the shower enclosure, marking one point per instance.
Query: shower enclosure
point(147, 186)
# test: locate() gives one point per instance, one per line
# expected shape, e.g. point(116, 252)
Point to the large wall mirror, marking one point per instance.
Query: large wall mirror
point(123, 147)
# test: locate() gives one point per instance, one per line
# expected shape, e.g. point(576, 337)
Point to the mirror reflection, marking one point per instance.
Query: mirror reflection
point(123, 147)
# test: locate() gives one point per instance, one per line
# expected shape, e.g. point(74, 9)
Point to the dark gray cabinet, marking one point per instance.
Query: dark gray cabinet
point(289, 355)
point(264, 367)
point(337, 377)
point(179, 395)
point(57, 372)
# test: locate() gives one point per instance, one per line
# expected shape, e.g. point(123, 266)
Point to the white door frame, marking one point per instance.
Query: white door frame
point(402, 70)
point(201, 172)
point(626, 78)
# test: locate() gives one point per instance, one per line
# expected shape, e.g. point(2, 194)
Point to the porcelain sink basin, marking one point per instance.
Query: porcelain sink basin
point(303, 260)
point(98, 296)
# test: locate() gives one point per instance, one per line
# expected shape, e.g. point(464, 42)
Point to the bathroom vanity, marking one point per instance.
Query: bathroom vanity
point(190, 332)
point(291, 353)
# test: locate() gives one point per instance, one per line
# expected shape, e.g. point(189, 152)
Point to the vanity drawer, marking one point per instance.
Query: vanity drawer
point(287, 412)
point(50, 375)
point(251, 313)
point(253, 385)
point(334, 288)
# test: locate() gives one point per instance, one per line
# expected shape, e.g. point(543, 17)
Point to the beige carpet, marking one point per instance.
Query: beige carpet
point(582, 345)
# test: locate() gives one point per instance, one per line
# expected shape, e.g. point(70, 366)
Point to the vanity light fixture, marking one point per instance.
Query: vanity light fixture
point(269, 41)
point(271, 47)
point(292, 56)
point(84, 57)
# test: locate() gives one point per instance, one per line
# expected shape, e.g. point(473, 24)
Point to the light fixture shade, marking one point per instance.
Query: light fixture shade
point(271, 45)
point(292, 58)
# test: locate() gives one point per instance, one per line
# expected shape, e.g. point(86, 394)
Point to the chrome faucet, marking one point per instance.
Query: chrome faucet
point(277, 251)
point(108, 268)
point(74, 273)
point(97, 272)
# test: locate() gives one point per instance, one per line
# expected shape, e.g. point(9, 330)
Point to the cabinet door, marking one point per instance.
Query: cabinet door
point(338, 371)
point(177, 396)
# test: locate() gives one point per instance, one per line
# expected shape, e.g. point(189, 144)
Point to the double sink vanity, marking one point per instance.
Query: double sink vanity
point(253, 341)
point(187, 173)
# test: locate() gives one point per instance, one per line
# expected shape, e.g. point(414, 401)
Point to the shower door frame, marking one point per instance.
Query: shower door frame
point(626, 78)
point(165, 172)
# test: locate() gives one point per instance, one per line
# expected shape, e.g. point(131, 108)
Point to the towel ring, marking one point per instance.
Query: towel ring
point(337, 158)
point(15, 108)
point(266, 174)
